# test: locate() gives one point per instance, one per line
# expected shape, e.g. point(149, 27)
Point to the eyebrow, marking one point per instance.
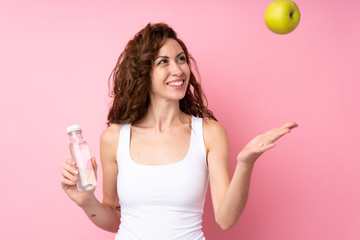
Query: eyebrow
point(168, 57)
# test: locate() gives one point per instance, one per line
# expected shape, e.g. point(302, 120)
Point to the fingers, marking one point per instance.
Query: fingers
point(67, 183)
point(69, 173)
point(95, 166)
point(286, 128)
point(276, 133)
point(290, 125)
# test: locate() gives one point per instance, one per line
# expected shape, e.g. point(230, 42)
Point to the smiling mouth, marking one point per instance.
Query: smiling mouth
point(176, 83)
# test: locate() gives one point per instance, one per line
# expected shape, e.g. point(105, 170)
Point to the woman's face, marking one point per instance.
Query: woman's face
point(170, 73)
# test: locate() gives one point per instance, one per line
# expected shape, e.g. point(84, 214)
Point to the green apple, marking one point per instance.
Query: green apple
point(282, 16)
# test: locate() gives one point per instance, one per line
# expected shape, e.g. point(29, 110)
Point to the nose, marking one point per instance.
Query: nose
point(175, 69)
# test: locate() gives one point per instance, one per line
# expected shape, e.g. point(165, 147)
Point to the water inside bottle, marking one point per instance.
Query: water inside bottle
point(86, 176)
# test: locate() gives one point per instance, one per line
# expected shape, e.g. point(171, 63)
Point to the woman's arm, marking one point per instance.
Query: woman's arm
point(229, 196)
point(104, 215)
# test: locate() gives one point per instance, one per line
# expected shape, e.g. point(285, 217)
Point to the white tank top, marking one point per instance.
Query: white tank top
point(162, 202)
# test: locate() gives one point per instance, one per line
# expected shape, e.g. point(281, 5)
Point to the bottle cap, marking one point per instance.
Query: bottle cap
point(73, 128)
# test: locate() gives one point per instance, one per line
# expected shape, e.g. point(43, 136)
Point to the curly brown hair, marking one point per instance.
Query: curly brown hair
point(131, 78)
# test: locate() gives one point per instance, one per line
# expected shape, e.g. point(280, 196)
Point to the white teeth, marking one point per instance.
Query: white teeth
point(176, 83)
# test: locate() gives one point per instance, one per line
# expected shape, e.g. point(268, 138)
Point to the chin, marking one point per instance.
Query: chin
point(177, 95)
point(178, 98)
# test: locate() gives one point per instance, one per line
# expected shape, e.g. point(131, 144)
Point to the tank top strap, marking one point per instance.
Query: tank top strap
point(197, 125)
point(197, 128)
point(124, 142)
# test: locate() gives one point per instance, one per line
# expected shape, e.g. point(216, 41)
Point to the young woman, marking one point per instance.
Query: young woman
point(161, 147)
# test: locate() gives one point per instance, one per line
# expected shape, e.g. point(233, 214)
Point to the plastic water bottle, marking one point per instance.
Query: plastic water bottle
point(80, 153)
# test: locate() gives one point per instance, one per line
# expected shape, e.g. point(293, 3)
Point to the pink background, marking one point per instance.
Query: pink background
point(56, 57)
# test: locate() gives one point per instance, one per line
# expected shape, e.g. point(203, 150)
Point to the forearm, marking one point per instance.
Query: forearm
point(102, 215)
point(236, 196)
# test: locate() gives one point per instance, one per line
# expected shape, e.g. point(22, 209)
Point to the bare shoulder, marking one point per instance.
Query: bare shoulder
point(213, 132)
point(213, 128)
point(110, 135)
point(109, 141)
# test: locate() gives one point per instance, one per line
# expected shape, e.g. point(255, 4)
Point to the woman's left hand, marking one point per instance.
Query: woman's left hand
point(263, 142)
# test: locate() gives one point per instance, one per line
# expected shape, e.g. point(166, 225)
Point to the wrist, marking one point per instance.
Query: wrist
point(88, 202)
point(249, 165)
point(247, 158)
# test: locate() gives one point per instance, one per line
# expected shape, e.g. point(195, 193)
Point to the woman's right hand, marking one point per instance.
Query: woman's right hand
point(68, 182)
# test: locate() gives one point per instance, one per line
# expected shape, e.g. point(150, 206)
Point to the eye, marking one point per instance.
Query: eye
point(163, 61)
point(182, 59)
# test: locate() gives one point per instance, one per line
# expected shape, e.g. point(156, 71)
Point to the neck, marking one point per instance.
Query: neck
point(162, 115)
